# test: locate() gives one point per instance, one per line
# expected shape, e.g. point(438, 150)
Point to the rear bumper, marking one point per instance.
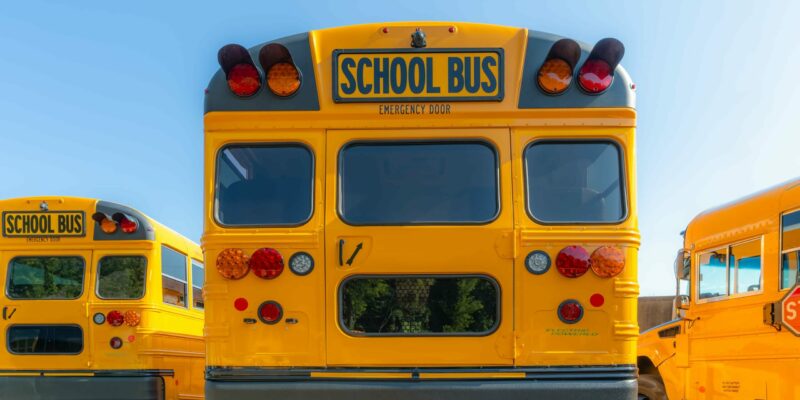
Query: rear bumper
point(135, 385)
point(575, 383)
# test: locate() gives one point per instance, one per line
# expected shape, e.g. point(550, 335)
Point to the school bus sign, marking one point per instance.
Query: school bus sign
point(790, 310)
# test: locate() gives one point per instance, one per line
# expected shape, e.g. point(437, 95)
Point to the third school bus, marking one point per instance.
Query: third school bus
point(419, 210)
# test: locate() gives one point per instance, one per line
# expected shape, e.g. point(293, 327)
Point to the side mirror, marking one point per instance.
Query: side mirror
point(683, 265)
point(680, 304)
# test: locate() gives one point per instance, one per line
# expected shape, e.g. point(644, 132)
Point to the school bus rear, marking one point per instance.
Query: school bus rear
point(412, 210)
point(79, 319)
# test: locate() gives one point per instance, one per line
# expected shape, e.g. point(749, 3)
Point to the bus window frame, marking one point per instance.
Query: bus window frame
point(201, 265)
point(781, 251)
point(351, 334)
point(376, 141)
point(729, 295)
point(9, 274)
point(8, 340)
point(313, 168)
point(97, 277)
point(626, 203)
point(186, 269)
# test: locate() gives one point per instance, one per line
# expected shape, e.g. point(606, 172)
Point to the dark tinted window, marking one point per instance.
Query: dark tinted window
point(198, 276)
point(416, 183)
point(45, 339)
point(419, 305)
point(575, 182)
point(264, 185)
point(121, 277)
point(173, 276)
point(45, 278)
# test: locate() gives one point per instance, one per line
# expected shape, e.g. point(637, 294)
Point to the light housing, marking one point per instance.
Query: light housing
point(233, 263)
point(99, 318)
point(266, 263)
point(555, 74)
point(243, 77)
point(597, 72)
point(537, 262)
point(572, 261)
point(127, 223)
point(115, 343)
point(607, 261)
point(270, 312)
point(107, 224)
point(301, 263)
point(570, 311)
point(115, 318)
point(282, 75)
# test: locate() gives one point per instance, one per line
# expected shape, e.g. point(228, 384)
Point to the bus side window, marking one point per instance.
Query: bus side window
point(173, 276)
point(198, 277)
point(745, 271)
point(713, 282)
point(790, 249)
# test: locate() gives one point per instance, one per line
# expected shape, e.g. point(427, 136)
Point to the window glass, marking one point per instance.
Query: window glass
point(419, 305)
point(746, 267)
point(121, 277)
point(790, 243)
point(577, 182)
point(713, 274)
point(198, 277)
point(45, 278)
point(45, 339)
point(173, 267)
point(264, 185)
point(791, 231)
point(418, 183)
point(789, 269)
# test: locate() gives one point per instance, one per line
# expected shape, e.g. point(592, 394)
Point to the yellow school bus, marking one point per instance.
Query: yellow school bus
point(421, 210)
point(738, 262)
point(100, 302)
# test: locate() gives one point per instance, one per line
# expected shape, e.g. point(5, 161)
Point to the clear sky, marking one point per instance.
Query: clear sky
point(104, 99)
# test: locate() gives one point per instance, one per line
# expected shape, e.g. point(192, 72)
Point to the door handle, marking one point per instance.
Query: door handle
point(341, 252)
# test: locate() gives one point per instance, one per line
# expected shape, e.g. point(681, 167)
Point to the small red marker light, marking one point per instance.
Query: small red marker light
point(266, 263)
point(597, 300)
point(452, 29)
point(385, 30)
point(240, 304)
point(131, 338)
point(115, 318)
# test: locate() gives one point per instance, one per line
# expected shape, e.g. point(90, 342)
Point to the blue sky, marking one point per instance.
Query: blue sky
point(104, 99)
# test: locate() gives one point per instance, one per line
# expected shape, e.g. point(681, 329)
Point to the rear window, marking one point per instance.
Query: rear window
point(121, 277)
point(45, 278)
point(45, 339)
point(419, 305)
point(418, 183)
point(264, 185)
point(575, 182)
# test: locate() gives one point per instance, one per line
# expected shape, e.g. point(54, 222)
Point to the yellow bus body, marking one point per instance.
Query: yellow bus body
point(530, 340)
point(732, 347)
point(160, 358)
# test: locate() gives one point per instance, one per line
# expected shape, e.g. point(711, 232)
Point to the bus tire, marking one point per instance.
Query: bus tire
point(651, 388)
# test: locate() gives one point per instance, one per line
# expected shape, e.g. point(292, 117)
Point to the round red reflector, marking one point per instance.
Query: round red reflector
point(115, 318)
point(266, 263)
point(270, 312)
point(607, 261)
point(244, 80)
point(572, 261)
point(131, 338)
point(240, 304)
point(115, 343)
point(595, 76)
point(597, 300)
point(570, 312)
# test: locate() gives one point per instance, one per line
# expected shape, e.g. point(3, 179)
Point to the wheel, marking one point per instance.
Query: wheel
point(651, 388)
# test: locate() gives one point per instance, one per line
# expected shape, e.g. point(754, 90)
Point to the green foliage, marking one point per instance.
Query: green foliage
point(121, 277)
point(46, 278)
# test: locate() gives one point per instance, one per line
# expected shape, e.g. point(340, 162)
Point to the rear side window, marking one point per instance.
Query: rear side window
point(575, 182)
point(419, 305)
point(121, 277)
point(418, 183)
point(198, 276)
point(790, 249)
point(45, 339)
point(45, 278)
point(264, 185)
point(173, 277)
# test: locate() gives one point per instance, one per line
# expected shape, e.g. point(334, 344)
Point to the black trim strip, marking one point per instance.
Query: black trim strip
point(98, 373)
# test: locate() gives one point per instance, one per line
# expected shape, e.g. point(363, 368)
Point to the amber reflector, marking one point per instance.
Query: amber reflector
point(132, 318)
point(555, 76)
point(283, 79)
point(608, 261)
point(232, 263)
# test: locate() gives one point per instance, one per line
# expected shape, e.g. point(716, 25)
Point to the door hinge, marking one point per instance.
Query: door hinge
point(772, 315)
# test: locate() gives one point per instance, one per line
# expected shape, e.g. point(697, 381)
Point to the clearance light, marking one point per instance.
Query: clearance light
point(283, 77)
point(127, 223)
point(270, 312)
point(243, 77)
point(266, 263)
point(240, 304)
point(597, 300)
point(570, 311)
point(132, 318)
point(597, 73)
point(572, 261)
point(115, 318)
point(107, 225)
point(232, 263)
point(115, 343)
point(607, 261)
point(537, 262)
point(555, 74)
point(301, 263)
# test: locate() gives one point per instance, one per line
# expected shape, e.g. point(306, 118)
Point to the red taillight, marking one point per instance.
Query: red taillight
point(270, 312)
point(572, 261)
point(595, 76)
point(244, 80)
point(240, 304)
point(115, 343)
point(608, 261)
point(127, 223)
point(570, 312)
point(115, 318)
point(266, 263)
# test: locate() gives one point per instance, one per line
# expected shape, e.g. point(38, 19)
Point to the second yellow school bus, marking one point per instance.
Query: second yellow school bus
point(738, 260)
point(421, 210)
point(99, 302)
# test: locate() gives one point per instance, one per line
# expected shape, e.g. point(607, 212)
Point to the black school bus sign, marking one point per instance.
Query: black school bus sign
point(381, 75)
